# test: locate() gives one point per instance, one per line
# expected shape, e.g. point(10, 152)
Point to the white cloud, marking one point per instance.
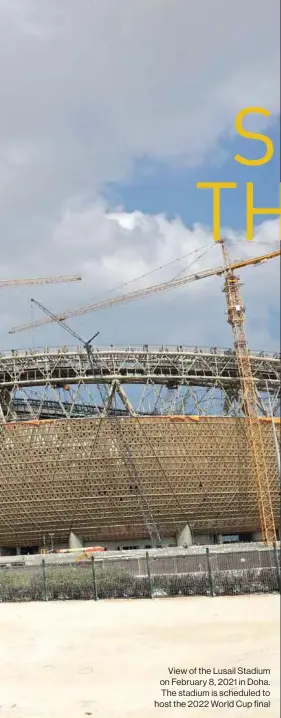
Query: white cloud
point(112, 248)
point(86, 89)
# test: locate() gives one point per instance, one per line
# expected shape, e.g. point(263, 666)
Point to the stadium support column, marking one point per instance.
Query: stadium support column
point(184, 537)
point(74, 541)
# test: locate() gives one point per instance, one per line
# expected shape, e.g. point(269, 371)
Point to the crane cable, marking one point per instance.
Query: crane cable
point(206, 247)
point(163, 266)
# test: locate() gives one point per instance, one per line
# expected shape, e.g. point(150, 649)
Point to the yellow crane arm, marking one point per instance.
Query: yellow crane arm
point(255, 260)
point(140, 293)
point(4, 283)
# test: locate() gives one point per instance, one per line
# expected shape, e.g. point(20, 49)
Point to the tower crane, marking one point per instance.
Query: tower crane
point(140, 293)
point(6, 283)
point(235, 315)
point(235, 311)
point(119, 439)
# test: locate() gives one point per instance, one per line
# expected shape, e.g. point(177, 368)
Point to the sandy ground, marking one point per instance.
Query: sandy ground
point(66, 660)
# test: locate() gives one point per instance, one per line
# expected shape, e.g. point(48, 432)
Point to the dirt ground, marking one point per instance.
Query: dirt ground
point(106, 659)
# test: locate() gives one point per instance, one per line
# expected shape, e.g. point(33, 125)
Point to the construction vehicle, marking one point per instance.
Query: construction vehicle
point(82, 553)
point(235, 312)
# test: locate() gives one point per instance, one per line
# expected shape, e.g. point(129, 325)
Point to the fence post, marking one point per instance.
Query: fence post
point(94, 578)
point(277, 565)
point(210, 573)
point(44, 579)
point(150, 587)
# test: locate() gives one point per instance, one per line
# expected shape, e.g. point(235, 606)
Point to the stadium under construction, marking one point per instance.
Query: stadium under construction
point(140, 446)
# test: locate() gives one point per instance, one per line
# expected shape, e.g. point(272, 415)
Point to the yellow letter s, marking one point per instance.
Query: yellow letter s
point(253, 136)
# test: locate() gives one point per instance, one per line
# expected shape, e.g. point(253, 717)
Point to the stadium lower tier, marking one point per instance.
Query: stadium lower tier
point(106, 479)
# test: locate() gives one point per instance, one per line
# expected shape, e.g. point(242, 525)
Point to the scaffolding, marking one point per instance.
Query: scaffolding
point(60, 465)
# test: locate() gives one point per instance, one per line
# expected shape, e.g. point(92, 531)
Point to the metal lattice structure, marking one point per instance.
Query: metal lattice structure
point(180, 411)
point(236, 311)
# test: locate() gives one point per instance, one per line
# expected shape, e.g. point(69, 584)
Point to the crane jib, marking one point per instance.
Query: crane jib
point(141, 293)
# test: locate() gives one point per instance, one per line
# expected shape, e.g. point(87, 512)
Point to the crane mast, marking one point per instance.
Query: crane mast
point(128, 460)
point(136, 484)
point(118, 438)
point(235, 313)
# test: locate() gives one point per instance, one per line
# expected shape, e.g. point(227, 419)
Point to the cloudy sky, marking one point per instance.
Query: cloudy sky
point(111, 112)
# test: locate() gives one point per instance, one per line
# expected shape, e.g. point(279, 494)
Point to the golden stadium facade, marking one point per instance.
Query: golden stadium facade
point(146, 440)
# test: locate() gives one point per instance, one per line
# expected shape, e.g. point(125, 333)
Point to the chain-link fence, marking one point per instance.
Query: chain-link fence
point(208, 573)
